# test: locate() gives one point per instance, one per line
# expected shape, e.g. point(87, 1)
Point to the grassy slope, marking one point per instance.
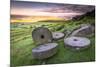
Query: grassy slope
point(22, 44)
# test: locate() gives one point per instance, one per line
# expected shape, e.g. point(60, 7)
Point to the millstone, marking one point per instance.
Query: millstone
point(41, 35)
point(45, 51)
point(57, 35)
point(77, 42)
point(83, 31)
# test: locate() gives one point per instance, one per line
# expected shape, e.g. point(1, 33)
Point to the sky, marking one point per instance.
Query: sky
point(47, 9)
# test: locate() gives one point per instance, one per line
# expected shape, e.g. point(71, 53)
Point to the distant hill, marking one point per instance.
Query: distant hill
point(90, 14)
point(23, 18)
point(18, 16)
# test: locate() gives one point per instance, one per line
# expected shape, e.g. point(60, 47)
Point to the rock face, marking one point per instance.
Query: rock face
point(44, 51)
point(84, 30)
point(41, 35)
point(57, 35)
point(76, 42)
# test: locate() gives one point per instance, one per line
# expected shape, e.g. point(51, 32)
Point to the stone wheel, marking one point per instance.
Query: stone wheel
point(76, 42)
point(44, 51)
point(57, 35)
point(83, 31)
point(41, 35)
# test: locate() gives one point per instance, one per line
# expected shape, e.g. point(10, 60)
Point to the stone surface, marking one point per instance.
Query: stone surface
point(41, 35)
point(77, 42)
point(44, 51)
point(57, 35)
point(84, 30)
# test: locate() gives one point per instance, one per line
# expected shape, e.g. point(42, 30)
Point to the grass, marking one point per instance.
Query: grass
point(22, 44)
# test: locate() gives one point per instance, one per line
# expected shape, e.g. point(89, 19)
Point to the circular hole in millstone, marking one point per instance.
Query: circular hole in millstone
point(75, 39)
point(42, 36)
point(56, 34)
